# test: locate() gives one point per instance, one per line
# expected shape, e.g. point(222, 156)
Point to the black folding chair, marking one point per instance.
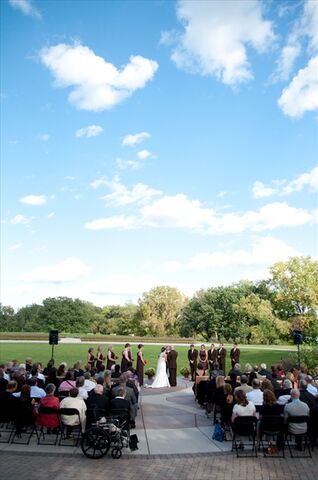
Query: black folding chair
point(44, 437)
point(302, 442)
point(244, 427)
point(272, 427)
point(70, 432)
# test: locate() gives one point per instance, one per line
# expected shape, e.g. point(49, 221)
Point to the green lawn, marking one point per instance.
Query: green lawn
point(71, 352)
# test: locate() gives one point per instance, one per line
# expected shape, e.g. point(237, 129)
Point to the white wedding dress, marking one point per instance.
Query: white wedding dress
point(161, 378)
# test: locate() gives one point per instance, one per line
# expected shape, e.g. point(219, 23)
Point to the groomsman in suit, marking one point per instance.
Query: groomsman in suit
point(221, 356)
point(193, 358)
point(212, 356)
point(235, 354)
point(172, 366)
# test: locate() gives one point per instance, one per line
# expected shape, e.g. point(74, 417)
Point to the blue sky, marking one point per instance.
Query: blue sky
point(150, 143)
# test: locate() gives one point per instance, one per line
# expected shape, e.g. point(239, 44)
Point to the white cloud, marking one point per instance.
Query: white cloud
point(140, 194)
point(120, 222)
point(16, 246)
point(21, 220)
point(301, 95)
point(143, 154)
point(131, 140)
point(216, 36)
point(90, 131)
point(282, 187)
point(26, 7)
point(97, 84)
point(125, 164)
point(34, 200)
point(44, 137)
point(260, 190)
point(65, 271)
point(265, 251)
point(51, 215)
point(178, 212)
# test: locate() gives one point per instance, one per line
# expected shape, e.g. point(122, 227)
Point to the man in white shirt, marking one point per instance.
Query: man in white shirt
point(36, 392)
point(82, 392)
point(88, 384)
point(311, 387)
point(255, 395)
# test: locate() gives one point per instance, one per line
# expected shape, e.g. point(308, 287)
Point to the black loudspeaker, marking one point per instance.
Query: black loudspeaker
point(298, 337)
point(53, 337)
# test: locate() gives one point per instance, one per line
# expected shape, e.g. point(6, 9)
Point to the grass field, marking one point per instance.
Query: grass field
point(70, 353)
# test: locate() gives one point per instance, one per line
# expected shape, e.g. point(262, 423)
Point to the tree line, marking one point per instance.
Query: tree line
point(249, 312)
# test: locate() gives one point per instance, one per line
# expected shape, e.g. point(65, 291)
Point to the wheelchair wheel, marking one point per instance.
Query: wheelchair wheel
point(95, 443)
point(116, 452)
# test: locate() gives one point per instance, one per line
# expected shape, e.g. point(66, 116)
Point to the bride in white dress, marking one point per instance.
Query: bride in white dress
point(161, 378)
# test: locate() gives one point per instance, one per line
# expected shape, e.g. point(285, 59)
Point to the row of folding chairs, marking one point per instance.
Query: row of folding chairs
point(271, 436)
point(11, 432)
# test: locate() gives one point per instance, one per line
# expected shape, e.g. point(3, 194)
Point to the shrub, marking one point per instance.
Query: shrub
point(150, 372)
point(185, 371)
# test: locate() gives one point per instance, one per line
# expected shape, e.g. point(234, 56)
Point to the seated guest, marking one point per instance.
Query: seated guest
point(3, 381)
point(8, 402)
point(311, 386)
point(119, 402)
point(37, 372)
point(200, 370)
point(74, 402)
point(290, 376)
point(129, 395)
point(294, 409)
point(216, 372)
point(280, 371)
point(269, 408)
point(263, 371)
point(116, 372)
point(48, 367)
point(252, 376)
point(243, 386)
point(82, 392)
point(28, 364)
point(227, 405)
point(36, 391)
point(284, 394)
point(236, 370)
point(107, 380)
point(270, 405)
point(242, 408)
point(305, 396)
point(20, 379)
point(50, 421)
point(68, 382)
point(255, 395)
point(78, 371)
point(98, 404)
point(89, 384)
point(275, 382)
point(52, 378)
point(267, 385)
point(61, 371)
point(233, 381)
point(25, 413)
point(100, 372)
point(219, 395)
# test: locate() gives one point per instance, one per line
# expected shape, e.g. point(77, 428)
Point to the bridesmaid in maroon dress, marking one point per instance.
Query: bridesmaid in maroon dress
point(203, 357)
point(111, 358)
point(99, 358)
point(126, 361)
point(141, 362)
point(90, 359)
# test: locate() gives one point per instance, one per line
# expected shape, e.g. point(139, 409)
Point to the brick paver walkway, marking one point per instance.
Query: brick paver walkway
point(24, 466)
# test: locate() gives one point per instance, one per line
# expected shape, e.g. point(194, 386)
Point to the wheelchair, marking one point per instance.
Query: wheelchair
point(107, 434)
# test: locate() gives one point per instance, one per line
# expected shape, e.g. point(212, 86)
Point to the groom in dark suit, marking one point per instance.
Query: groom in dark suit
point(172, 366)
